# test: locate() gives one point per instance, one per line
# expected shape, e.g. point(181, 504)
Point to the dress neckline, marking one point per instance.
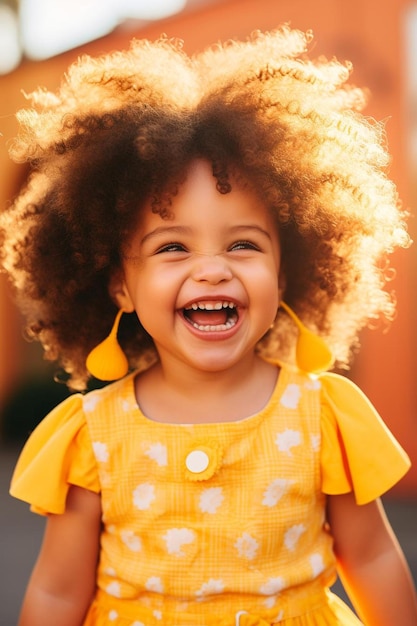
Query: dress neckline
point(283, 378)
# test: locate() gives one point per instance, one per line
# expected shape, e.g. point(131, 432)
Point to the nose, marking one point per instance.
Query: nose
point(211, 268)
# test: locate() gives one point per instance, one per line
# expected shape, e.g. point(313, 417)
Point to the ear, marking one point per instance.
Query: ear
point(119, 292)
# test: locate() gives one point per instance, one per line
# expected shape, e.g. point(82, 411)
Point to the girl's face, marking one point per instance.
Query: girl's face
point(204, 283)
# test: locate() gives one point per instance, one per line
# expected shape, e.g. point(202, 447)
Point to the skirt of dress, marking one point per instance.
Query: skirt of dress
point(107, 611)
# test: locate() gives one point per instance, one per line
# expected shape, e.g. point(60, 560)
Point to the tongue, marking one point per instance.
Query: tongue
point(205, 318)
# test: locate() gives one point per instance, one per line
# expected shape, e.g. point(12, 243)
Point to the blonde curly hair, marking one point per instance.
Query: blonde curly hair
point(125, 126)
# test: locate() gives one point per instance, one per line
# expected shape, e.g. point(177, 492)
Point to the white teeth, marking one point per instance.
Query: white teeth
point(212, 328)
point(214, 306)
point(211, 306)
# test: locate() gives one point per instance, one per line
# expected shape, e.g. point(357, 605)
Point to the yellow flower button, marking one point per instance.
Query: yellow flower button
point(202, 460)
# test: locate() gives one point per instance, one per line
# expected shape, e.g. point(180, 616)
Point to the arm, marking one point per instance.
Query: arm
point(371, 564)
point(63, 581)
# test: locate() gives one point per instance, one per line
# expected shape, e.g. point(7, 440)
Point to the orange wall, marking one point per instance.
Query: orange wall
point(367, 33)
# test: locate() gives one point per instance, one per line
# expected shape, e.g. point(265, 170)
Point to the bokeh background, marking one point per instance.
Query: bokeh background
point(39, 39)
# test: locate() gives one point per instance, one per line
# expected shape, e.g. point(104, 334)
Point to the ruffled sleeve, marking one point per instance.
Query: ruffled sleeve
point(57, 454)
point(358, 451)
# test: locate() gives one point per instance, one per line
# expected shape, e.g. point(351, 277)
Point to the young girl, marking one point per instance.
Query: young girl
point(227, 476)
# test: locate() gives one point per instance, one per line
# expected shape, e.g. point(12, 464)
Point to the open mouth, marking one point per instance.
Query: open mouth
point(211, 316)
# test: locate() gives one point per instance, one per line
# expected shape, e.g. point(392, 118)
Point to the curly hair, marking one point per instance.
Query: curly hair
point(125, 126)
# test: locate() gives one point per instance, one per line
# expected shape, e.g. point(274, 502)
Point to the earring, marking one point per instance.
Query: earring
point(311, 352)
point(107, 361)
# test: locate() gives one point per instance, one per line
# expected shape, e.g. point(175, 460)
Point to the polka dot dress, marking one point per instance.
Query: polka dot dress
point(219, 523)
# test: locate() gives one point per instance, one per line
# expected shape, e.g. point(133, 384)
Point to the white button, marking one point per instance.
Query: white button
point(197, 461)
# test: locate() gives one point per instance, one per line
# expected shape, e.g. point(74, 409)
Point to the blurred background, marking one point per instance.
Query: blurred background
point(40, 38)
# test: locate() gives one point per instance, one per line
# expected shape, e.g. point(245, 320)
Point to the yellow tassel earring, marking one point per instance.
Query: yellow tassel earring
point(107, 361)
point(311, 352)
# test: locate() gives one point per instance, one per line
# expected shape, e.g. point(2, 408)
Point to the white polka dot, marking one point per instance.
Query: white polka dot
point(211, 587)
point(247, 546)
point(211, 499)
point(292, 536)
point(154, 583)
point(315, 442)
point(313, 384)
point(287, 440)
point(110, 571)
point(113, 589)
point(90, 402)
point(158, 453)
point(317, 564)
point(273, 586)
point(113, 615)
point(176, 538)
point(143, 496)
point(132, 541)
point(100, 451)
point(275, 491)
point(291, 396)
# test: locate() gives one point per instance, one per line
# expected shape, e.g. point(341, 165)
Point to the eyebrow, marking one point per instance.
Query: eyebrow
point(186, 230)
point(164, 230)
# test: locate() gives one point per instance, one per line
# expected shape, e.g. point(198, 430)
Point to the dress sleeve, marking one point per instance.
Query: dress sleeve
point(358, 452)
point(57, 454)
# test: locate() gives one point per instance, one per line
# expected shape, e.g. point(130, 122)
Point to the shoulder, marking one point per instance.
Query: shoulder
point(358, 452)
point(57, 454)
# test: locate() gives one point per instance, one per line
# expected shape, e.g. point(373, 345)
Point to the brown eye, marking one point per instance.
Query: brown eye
point(244, 245)
point(171, 247)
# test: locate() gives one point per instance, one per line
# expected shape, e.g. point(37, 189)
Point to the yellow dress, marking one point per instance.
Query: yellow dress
point(214, 524)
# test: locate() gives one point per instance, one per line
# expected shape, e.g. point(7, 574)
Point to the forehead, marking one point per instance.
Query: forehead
point(198, 199)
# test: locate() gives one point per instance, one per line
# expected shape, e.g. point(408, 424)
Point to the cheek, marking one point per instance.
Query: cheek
point(266, 288)
point(270, 301)
point(153, 292)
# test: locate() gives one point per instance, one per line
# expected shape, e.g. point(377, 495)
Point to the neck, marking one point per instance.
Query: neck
point(181, 394)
